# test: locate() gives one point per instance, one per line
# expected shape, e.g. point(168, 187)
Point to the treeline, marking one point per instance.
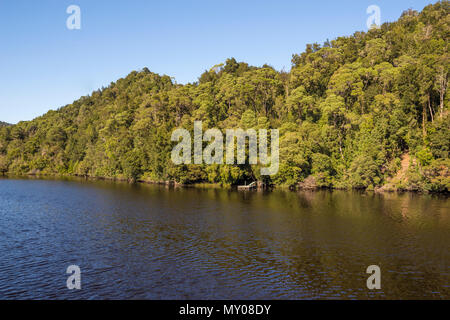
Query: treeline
point(347, 111)
point(4, 124)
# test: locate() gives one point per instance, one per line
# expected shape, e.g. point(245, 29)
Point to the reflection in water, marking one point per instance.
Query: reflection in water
point(139, 241)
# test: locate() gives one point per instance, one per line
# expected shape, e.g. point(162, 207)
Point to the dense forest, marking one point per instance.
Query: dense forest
point(3, 124)
point(367, 111)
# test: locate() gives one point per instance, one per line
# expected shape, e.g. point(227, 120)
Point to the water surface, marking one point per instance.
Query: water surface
point(149, 242)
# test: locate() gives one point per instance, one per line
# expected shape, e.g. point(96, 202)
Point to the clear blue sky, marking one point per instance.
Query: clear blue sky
point(44, 66)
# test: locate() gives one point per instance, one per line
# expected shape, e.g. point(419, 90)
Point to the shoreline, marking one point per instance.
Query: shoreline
point(211, 186)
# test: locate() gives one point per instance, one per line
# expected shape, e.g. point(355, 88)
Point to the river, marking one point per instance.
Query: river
point(150, 242)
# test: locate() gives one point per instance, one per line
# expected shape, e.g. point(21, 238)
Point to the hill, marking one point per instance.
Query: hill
point(348, 112)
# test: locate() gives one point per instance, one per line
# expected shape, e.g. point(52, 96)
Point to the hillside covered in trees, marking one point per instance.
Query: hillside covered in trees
point(366, 111)
point(3, 124)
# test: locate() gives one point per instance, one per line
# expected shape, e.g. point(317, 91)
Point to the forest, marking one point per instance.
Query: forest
point(366, 111)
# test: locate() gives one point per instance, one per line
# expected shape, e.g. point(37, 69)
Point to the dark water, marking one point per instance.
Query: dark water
point(138, 241)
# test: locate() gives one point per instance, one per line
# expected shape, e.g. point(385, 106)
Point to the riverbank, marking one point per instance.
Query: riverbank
point(306, 185)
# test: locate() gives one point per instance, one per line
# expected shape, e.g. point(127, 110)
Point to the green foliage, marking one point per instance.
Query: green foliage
point(424, 156)
point(347, 111)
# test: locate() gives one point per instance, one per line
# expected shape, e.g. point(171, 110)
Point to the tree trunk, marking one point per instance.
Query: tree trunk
point(431, 109)
point(442, 79)
point(424, 119)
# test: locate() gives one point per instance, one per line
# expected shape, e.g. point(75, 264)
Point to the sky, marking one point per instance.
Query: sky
point(44, 65)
